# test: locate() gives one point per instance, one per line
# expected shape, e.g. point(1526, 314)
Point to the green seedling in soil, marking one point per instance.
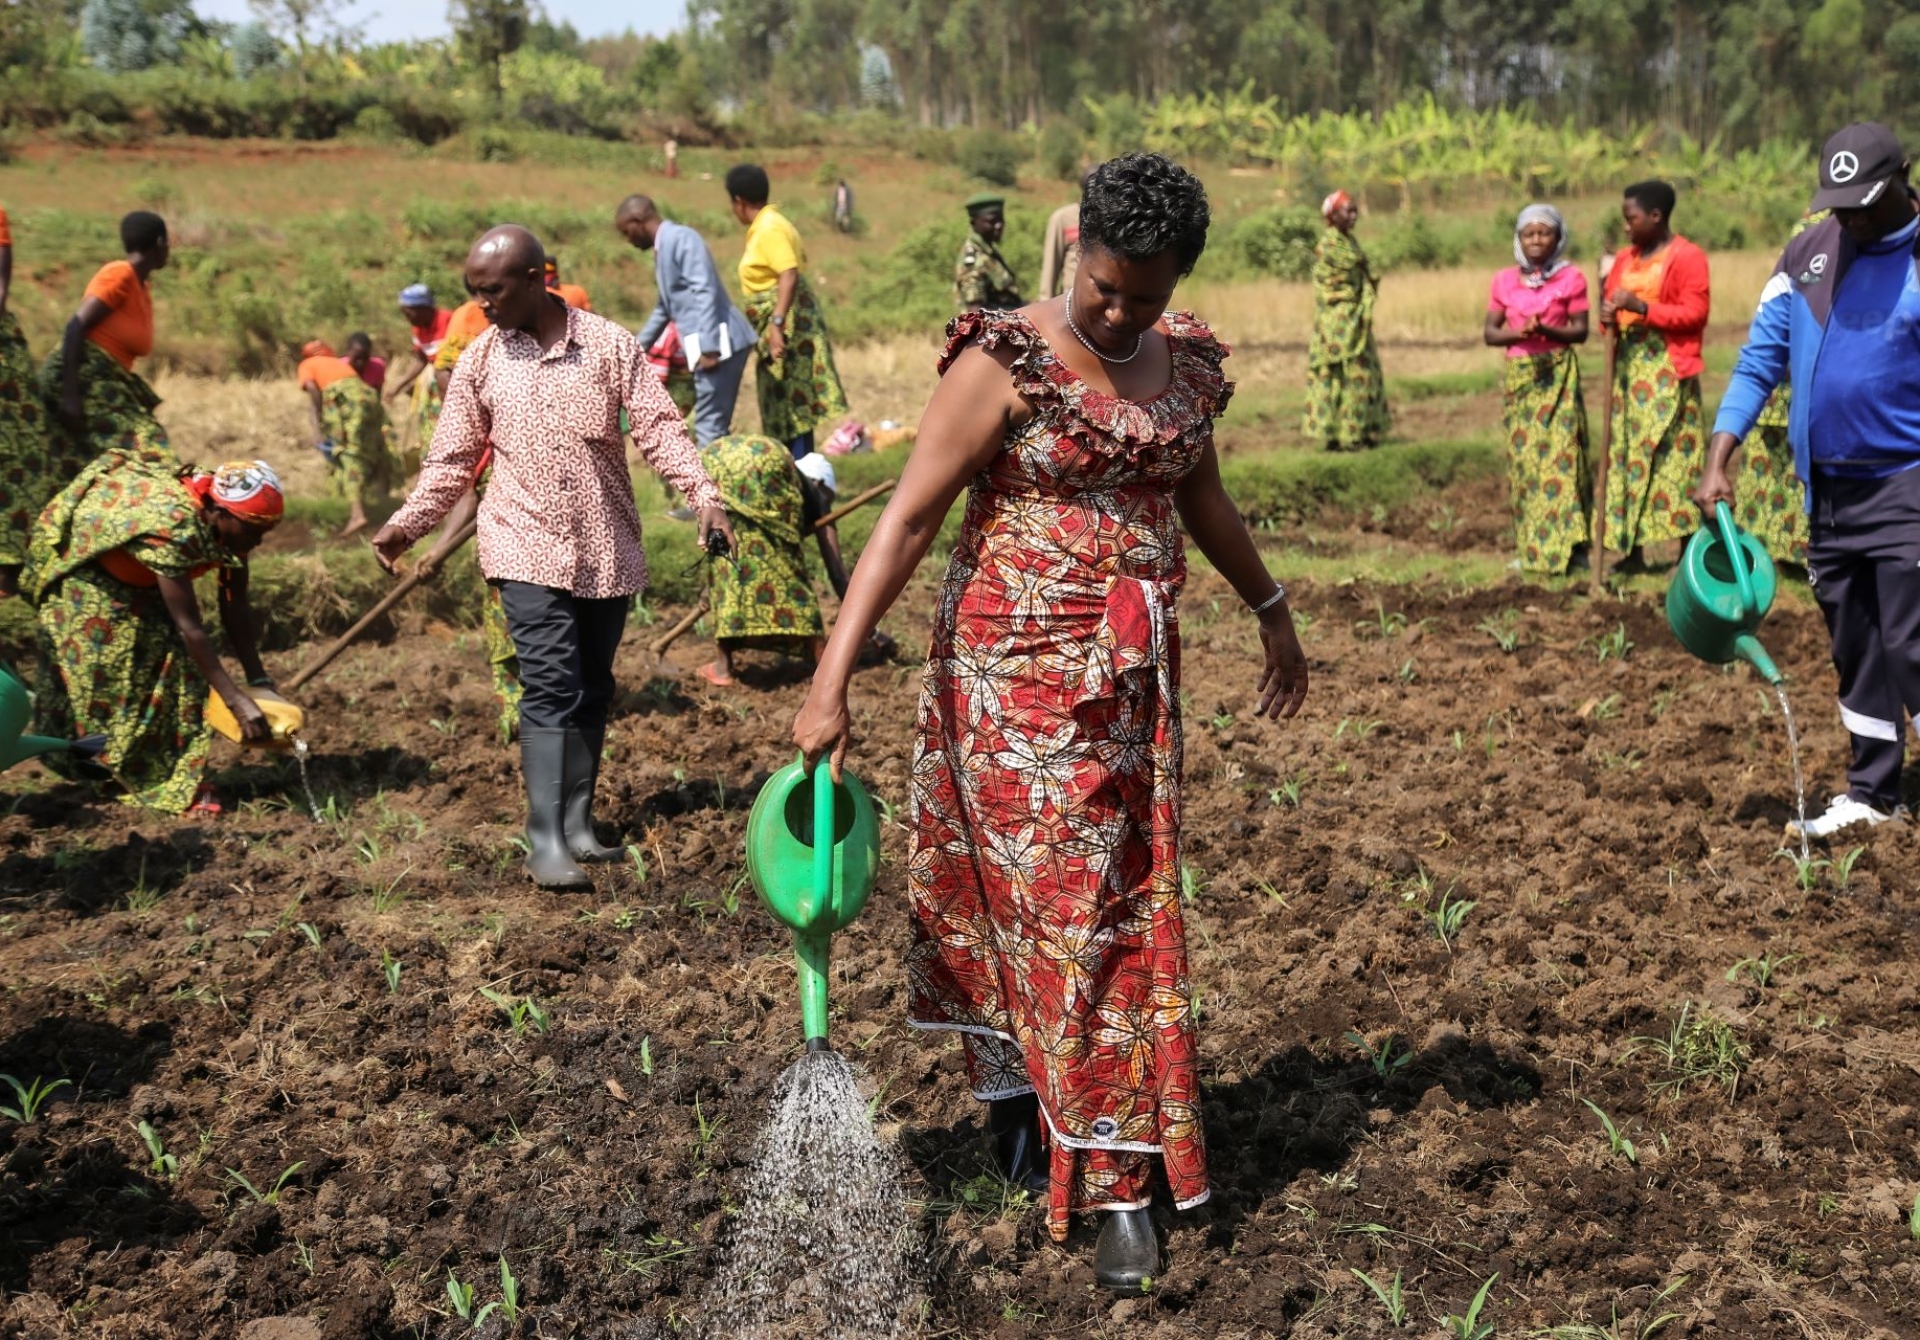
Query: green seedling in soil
point(730, 900)
point(1913, 1220)
point(1392, 1296)
point(1617, 1143)
point(1805, 873)
point(461, 1296)
point(1648, 1326)
point(1221, 719)
point(30, 1098)
point(160, 1162)
point(390, 969)
point(142, 898)
point(1267, 887)
point(1607, 708)
point(1445, 521)
point(1488, 744)
point(1614, 646)
point(1630, 760)
point(509, 1294)
point(1193, 883)
point(1698, 1048)
point(445, 726)
point(1385, 623)
point(646, 1056)
point(258, 1196)
point(990, 1195)
point(521, 1014)
point(1449, 916)
point(1759, 970)
point(1470, 1327)
point(1289, 791)
point(1843, 867)
point(311, 931)
point(1503, 628)
point(638, 857)
point(387, 899)
point(1359, 727)
point(1408, 672)
point(709, 1131)
point(368, 849)
point(1386, 1058)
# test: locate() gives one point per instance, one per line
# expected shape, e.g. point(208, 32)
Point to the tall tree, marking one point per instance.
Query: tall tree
point(487, 32)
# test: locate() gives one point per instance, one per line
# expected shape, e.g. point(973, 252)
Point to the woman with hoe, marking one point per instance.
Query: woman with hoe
point(798, 385)
point(1657, 296)
point(1538, 313)
point(1346, 391)
point(1044, 873)
point(349, 428)
point(124, 652)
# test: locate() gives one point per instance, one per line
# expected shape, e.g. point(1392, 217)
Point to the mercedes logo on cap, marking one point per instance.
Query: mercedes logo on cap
point(1843, 167)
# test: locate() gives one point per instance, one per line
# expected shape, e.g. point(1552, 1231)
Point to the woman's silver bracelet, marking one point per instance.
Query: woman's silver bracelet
point(1279, 594)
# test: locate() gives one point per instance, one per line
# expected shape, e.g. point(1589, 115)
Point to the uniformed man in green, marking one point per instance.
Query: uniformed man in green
point(982, 279)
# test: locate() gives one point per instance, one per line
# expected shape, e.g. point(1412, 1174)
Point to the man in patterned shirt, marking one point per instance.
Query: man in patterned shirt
point(559, 533)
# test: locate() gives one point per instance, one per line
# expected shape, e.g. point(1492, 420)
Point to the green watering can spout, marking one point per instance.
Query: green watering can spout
point(813, 849)
point(16, 746)
point(1720, 592)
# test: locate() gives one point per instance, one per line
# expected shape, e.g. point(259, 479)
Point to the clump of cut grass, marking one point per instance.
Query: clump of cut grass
point(1699, 1048)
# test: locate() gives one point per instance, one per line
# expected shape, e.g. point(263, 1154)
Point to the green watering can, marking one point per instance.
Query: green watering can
point(16, 746)
point(813, 849)
point(1721, 591)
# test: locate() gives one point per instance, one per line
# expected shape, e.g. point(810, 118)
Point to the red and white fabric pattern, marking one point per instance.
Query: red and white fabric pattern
point(559, 509)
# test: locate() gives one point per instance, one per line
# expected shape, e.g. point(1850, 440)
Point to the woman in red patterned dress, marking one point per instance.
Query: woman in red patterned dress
point(1044, 877)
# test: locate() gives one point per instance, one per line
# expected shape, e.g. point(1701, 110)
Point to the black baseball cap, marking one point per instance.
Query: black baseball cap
point(1856, 165)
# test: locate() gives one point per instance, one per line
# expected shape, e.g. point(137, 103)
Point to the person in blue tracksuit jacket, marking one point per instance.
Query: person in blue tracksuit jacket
point(1841, 317)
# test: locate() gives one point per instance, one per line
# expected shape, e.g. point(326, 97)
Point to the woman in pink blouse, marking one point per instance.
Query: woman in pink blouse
point(1538, 312)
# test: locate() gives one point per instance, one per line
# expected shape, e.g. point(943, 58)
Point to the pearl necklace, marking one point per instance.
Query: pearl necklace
point(1066, 303)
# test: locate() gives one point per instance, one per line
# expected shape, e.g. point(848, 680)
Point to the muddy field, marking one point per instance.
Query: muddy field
point(340, 1117)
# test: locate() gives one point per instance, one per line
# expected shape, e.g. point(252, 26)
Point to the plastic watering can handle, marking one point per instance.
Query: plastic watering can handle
point(1737, 556)
point(822, 835)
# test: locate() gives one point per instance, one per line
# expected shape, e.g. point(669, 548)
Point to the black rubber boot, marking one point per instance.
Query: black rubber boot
point(1017, 1147)
point(581, 773)
point(1128, 1252)
point(543, 764)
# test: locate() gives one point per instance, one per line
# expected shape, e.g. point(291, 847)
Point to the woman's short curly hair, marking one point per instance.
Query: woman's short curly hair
point(1140, 204)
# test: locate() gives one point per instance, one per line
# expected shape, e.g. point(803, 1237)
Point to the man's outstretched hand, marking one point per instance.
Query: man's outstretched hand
point(388, 545)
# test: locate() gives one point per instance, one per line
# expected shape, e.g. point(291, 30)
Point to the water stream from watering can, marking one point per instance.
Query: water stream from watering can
point(1799, 781)
point(300, 757)
point(824, 1245)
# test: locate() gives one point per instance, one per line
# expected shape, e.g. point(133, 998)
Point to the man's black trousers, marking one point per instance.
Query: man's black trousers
point(565, 644)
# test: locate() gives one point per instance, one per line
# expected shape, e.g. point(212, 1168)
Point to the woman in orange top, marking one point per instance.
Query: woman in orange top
point(349, 428)
point(1657, 296)
point(23, 444)
point(571, 294)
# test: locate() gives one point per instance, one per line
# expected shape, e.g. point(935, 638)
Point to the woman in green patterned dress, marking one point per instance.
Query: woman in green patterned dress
point(23, 437)
point(1346, 391)
point(1769, 500)
point(764, 598)
point(1657, 295)
point(124, 654)
point(349, 427)
point(798, 385)
point(1537, 312)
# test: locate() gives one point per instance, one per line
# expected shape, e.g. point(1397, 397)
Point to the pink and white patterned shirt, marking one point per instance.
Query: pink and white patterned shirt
point(559, 509)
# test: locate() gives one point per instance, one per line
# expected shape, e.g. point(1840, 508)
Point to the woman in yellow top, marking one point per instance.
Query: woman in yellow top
point(23, 439)
point(798, 384)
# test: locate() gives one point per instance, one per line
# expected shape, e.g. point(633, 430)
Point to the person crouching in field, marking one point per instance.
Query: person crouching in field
point(1657, 296)
point(1346, 390)
point(349, 429)
point(1838, 317)
point(427, 321)
point(110, 575)
point(764, 598)
point(1537, 312)
point(559, 533)
point(23, 431)
point(94, 397)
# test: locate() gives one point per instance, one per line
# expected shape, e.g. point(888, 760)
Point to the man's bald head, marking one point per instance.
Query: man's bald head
point(638, 220)
point(505, 275)
point(509, 245)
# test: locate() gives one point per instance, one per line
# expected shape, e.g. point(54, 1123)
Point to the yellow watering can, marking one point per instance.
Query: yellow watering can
point(813, 849)
point(1721, 591)
point(283, 718)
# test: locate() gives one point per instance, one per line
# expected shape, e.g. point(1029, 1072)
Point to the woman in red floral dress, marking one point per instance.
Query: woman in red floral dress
point(1044, 876)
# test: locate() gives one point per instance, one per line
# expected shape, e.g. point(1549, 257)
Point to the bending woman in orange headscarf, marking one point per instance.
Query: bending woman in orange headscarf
point(110, 572)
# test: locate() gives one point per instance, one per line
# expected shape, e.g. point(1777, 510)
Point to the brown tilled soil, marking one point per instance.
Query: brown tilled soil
point(1613, 825)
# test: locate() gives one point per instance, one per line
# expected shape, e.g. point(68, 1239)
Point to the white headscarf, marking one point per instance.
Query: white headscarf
point(1554, 263)
point(817, 468)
